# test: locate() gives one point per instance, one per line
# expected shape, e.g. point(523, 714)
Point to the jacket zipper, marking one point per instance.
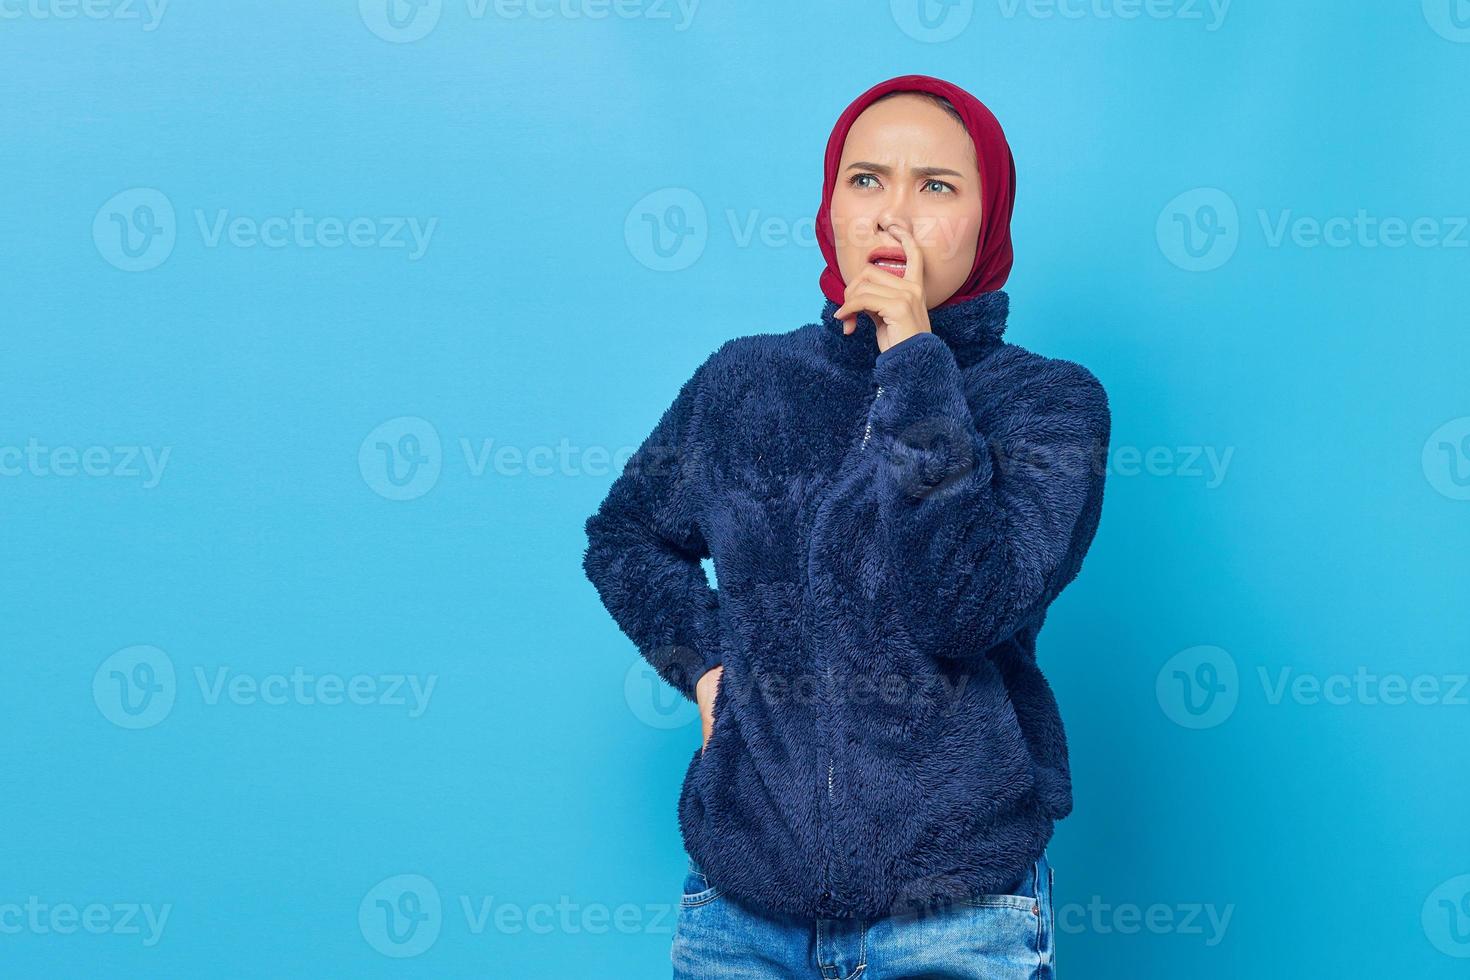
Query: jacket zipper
point(831, 761)
point(868, 429)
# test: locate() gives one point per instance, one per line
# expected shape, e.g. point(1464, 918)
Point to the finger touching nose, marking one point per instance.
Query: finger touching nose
point(892, 219)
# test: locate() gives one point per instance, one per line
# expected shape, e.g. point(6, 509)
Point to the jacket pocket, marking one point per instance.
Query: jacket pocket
point(1035, 707)
point(759, 635)
point(935, 765)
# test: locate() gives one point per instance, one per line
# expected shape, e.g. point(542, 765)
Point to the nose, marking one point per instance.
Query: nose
point(896, 210)
point(888, 220)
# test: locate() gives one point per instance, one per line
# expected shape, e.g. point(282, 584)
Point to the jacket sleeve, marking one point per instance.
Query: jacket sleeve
point(978, 531)
point(644, 548)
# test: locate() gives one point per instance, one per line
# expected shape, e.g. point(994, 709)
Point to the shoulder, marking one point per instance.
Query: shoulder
point(756, 349)
point(1019, 371)
point(1040, 399)
point(751, 360)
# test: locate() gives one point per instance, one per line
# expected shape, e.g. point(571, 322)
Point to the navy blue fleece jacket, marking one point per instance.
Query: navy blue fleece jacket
point(887, 532)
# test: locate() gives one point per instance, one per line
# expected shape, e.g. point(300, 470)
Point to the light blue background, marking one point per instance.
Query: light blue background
point(542, 314)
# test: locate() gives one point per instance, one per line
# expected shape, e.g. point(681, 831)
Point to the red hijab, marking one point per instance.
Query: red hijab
point(997, 182)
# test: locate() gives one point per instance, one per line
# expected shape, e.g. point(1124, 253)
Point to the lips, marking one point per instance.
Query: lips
point(889, 259)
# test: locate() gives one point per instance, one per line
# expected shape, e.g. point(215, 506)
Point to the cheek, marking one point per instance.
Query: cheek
point(851, 233)
point(953, 240)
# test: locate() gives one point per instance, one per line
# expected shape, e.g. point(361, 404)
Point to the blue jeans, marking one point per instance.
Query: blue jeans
point(1006, 936)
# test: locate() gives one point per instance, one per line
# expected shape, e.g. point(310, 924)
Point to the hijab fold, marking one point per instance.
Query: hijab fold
point(997, 169)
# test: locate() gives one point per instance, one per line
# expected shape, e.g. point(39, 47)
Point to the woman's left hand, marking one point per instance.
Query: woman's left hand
point(897, 305)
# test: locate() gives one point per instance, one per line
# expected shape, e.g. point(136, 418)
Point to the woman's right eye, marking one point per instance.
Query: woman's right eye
point(855, 178)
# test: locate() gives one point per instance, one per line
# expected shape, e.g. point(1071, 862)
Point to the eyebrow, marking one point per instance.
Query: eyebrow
point(917, 171)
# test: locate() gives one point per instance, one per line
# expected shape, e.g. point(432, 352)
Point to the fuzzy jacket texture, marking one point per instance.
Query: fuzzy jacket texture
point(887, 532)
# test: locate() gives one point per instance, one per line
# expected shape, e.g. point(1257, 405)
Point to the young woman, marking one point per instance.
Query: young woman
point(892, 497)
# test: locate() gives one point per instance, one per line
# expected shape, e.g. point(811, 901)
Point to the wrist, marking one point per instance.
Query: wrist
point(905, 346)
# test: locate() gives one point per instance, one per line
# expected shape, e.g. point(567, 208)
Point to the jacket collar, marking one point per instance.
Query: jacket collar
point(970, 328)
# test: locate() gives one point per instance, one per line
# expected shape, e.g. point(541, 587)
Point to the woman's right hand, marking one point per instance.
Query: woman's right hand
point(705, 690)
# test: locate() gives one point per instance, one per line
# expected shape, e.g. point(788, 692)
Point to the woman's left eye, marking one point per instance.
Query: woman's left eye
point(943, 187)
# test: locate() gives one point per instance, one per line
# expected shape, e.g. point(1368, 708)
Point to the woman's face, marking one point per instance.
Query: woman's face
point(908, 161)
